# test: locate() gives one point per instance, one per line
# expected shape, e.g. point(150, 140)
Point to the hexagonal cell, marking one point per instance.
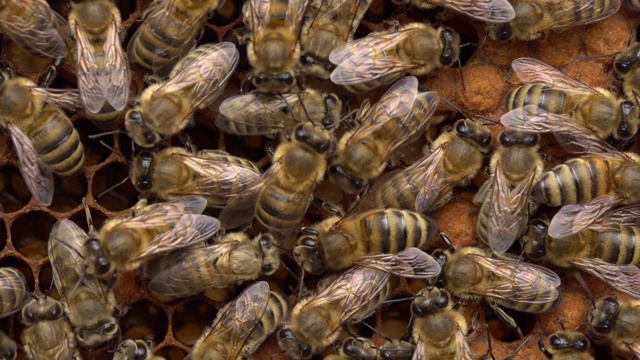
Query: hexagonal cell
point(94, 152)
point(14, 194)
point(469, 40)
point(171, 353)
point(122, 197)
point(190, 319)
point(396, 319)
point(24, 268)
point(30, 234)
point(69, 193)
point(501, 331)
point(144, 320)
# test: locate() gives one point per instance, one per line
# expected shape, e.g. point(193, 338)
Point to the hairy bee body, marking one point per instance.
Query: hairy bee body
point(363, 349)
point(13, 291)
point(135, 350)
point(276, 312)
point(8, 347)
point(616, 322)
point(337, 244)
point(567, 345)
point(626, 69)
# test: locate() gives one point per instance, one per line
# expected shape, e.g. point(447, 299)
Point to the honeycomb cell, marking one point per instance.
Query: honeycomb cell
point(3, 235)
point(144, 320)
point(171, 353)
point(69, 193)
point(501, 331)
point(190, 319)
point(30, 234)
point(119, 198)
point(21, 265)
point(15, 194)
point(45, 281)
point(395, 320)
point(80, 219)
point(469, 41)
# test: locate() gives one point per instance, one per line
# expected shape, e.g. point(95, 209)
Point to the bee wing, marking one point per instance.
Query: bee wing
point(12, 281)
point(155, 213)
point(522, 282)
point(65, 98)
point(624, 216)
point(625, 278)
point(31, 28)
point(99, 85)
point(634, 348)
point(65, 254)
point(565, 16)
point(190, 229)
point(411, 263)
point(434, 182)
point(205, 75)
point(37, 175)
point(463, 351)
point(365, 59)
point(570, 134)
point(493, 11)
point(509, 211)
point(294, 16)
point(571, 219)
point(418, 352)
point(531, 70)
point(330, 10)
point(257, 114)
point(259, 16)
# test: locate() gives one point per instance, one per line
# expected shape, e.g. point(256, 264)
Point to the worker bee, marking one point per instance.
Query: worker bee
point(123, 244)
point(44, 138)
point(533, 19)
point(167, 33)
point(242, 325)
point(439, 327)
point(616, 322)
point(363, 349)
point(234, 259)
point(626, 70)
point(174, 172)
point(470, 273)
point(493, 11)
point(47, 334)
point(166, 108)
point(273, 50)
point(101, 65)
point(280, 197)
point(504, 213)
point(567, 345)
point(88, 301)
point(33, 26)
point(337, 244)
point(589, 185)
point(331, 23)
point(316, 321)
point(427, 185)
point(8, 347)
point(555, 92)
point(264, 114)
point(13, 291)
point(399, 117)
point(384, 57)
point(135, 350)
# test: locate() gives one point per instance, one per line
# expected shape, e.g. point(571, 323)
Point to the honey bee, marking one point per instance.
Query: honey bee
point(555, 92)
point(427, 185)
point(316, 321)
point(47, 334)
point(273, 50)
point(625, 69)
point(504, 213)
point(123, 244)
point(8, 347)
point(384, 57)
point(363, 349)
point(567, 345)
point(101, 65)
point(533, 19)
point(167, 33)
point(337, 244)
point(439, 327)
point(242, 325)
point(174, 172)
point(88, 301)
point(331, 23)
point(493, 11)
point(470, 273)
point(135, 350)
point(617, 323)
point(588, 186)
point(235, 259)
point(33, 26)
point(280, 197)
point(166, 108)
point(399, 117)
point(264, 114)
point(13, 291)
point(44, 138)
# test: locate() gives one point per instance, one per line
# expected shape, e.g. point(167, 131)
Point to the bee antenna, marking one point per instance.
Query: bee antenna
point(398, 300)
point(600, 56)
point(446, 240)
point(87, 213)
point(49, 289)
point(106, 133)
point(490, 120)
point(515, 351)
point(464, 86)
point(301, 282)
point(376, 331)
point(584, 284)
point(489, 350)
point(455, 107)
point(111, 188)
point(560, 322)
point(295, 276)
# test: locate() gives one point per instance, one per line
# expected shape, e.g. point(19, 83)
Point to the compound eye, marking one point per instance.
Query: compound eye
point(309, 242)
point(286, 78)
point(506, 139)
point(485, 141)
point(141, 353)
point(447, 58)
point(110, 329)
point(555, 341)
point(261, 79)
point(417, 311)
point(623, 130)
point(265, 242)
point(323, 147)
point(301, 134)
point(28, 315)
point(333, 169)
point(136, 116)
point(144, 184)
point(531, 140)
point(357, 184)
point(103, 266)
point(57, 311)
point(505, 33)
point(267, 268)
point(305, 350)
point(462, 129)
point(443, 301)
point(582, 344)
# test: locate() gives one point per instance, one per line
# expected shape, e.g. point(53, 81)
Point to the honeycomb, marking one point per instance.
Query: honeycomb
point(478, 86)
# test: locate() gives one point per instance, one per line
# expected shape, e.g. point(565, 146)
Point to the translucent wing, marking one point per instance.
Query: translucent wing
point(343, 14)
point(571, 219)
point(65, 254)
point(495, 11)
point(531, 70)
point(191, 204)
point(259, 17)
point(509, 214)
point(37, 175)
point(565, 16)
point(257, 114)
point(108, 83)
point(13, 282)
point(410, 263)
point(614, 219)
point(625, 278)
point(430, 179)
point(34, 27)
point(463, 351)
point(295, 12)
point(190, 229)
point(418, 353)
point(65, 98)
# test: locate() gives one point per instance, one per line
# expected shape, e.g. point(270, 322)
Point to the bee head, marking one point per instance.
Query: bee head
point(602, 316)
point(630, 121)
point(139, 171)
point(430, 300)
point(138, 131)
point(293, 347)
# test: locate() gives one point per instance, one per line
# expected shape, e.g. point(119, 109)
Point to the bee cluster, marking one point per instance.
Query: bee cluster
point(316, 146)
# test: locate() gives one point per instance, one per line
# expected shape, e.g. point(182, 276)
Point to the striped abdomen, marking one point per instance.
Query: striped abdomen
point(275, 313)
point(581, 12)
point(523, 305)
point(619, 246)
point(374, 302)
point(13, 291)
point(57, 142)
point(391, 231)
point(372, 84)
point(577, 181)
point(553, 101)
point(396, 192)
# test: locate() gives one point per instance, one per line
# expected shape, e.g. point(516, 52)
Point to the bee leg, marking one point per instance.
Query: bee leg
point(515, 351)
point(51, 73)
point(321, 204)
point(246, 83)
point(507, 319)
point(544, 350)
point(489, 350)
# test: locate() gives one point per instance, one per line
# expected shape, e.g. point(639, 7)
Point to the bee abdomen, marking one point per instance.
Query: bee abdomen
point(619, 246)
point(277, 210)
point(536, 94)
point(275, 313)
point(527, 305)
point(398, 196)
point(370, 85)
point(391, 231)
point(58, 144)
point(576, 181)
